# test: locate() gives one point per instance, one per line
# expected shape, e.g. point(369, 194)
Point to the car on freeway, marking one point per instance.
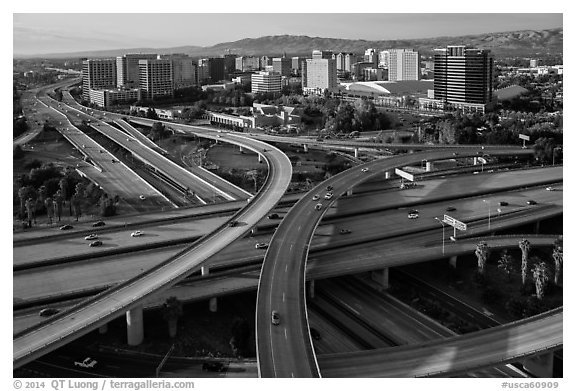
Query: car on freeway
point(314, 334)
point(99, 224)
point(550, 188)
point(213, 366)
point(91, 237)
point(531, 202)
point(142, 197)
point(135, 234)
point(95, 243)
point(275, 318)
point(48, 312)
point(86, 363)
point(503, 203)
point(316, 197)
point(450, 209)
point(413, 214)
point(273, 216)
point(329, 188)
point(261, 246)
point(233, 223)
point(318, 206)
point(66, 227)
point(344, 231)
point(365, 169)
point(328, 196)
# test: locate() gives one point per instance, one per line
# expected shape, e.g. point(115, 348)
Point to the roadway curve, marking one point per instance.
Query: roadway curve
point(286, 350)
point(92, 313)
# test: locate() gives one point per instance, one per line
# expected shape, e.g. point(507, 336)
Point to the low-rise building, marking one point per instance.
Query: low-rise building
point(110, 97)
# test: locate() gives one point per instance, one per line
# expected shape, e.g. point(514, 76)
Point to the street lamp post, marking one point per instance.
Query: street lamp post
point(488, 202)
point(443, 225)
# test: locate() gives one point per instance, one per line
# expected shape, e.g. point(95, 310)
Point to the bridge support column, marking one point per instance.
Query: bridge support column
point(541, 365)
point(356, 152)
point(381, 277)
point(205, 270)
point(349, 192)
point(213, 304)
point(103, 329)
point(475, 161)
point(311, 288)
point(135, 326)
point(306, 148)
point(259, 158)
point(387, 175)
point(241, 149)
point(429, 166)
point(537, 227)
point(453, 261)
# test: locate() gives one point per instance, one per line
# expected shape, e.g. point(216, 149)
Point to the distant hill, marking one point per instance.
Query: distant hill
point(512, 43)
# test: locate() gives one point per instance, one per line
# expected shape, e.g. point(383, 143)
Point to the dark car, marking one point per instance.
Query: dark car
point(96, 243)
point(503, 203)
point(275, 318)
point(213, 366)
point(314, 334)
point(450, 209)
point(273, 216)
point(48, 311)
point(329, 188)
point(233, 223)
point(531, 202)
point(99, 224)
point(65, 227)
point(344, 231)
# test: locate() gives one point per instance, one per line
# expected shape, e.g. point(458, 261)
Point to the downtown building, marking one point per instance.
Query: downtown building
point(282, 65)
point(96, 74)
point(184, 70)
point(403, 64)
point(128, 69)
point(156, 78)
point(247, 63)
point(463, 79)
point(266, 82)
point(320, 73)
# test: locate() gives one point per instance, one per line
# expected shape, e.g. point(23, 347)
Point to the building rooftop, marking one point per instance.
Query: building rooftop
point(390, 87)
point(511, 92)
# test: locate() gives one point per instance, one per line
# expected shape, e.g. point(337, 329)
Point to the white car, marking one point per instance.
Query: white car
point(550, 188)
point(316, 197)
point(135, 234)
point(91, 237)
point(261, 246)
point(86, 363)
point(328, 196)
point(413, 214)
point(142, 197)
point(366, 169)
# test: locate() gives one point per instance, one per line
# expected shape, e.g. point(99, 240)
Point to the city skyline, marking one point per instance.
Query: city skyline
point(61, 33)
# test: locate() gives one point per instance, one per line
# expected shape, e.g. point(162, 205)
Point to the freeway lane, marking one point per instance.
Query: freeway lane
point(455, 355)
point(287, 351)
point(92, 313)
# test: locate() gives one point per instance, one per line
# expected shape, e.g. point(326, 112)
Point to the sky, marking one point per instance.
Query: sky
point(39, 33)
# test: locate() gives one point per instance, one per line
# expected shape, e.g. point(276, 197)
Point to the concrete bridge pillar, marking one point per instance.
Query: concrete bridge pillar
point(349, 192)
point(135, 326)
point(213, 304)
point(259, 158)
point(356, 152)
point(205, 270)
point(381, 277)
point(387, 175)
point(306, 148)
point(241, 149)
point(311, 288)
point(541, 365)
point(429, 166)
point(475, 161)
point(537, 227)
point(453, 261)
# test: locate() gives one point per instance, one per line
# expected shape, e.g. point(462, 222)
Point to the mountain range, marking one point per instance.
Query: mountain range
point(504, 44)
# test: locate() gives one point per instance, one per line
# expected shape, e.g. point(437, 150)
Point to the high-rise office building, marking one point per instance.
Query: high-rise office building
point(320, 75)
point(371, 55)
point(247, 63)
point(229, 65)
point(322, 54)
point(184, 70)
point(349, 59)
point(128, 69)
point(266, 82)
point(265, 60)
point(464, 77)
point(340, 61)
point(383, 59)
point(97, 73)
point(156, 78)
point(403, 64)
point(216, 68)
point(282, 65)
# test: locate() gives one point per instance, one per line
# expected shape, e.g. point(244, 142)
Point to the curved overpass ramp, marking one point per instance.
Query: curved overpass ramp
point(286, 350)
point(91, 314)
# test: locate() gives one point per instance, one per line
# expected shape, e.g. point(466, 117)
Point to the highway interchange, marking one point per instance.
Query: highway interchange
point(281, 288)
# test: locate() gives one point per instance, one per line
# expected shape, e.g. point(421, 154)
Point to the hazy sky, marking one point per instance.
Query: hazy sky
point(37, 33)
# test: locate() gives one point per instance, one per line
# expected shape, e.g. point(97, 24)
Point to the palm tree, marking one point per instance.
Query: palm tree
point(506, 263)
point(482, 254)
point(558, 256)
point(58, 201)
point(525, 248)
point(172, 310)
point(49, 204)
point(541, 274)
